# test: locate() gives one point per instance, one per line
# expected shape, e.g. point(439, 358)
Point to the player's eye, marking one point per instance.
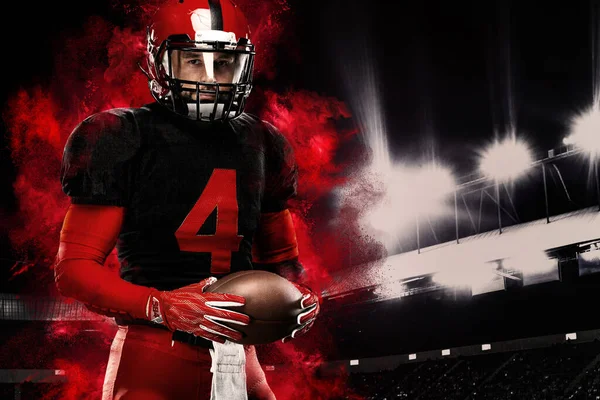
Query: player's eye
point(195, 61)
point(224, 63)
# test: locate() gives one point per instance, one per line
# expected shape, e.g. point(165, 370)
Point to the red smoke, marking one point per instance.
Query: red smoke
point(299, 378)
point(307, 120)
point(96, 69)
point(271, 22)
point(83, 363)
point(325, 238)
point(40, 119)
point(79, 349)
point(36, 144)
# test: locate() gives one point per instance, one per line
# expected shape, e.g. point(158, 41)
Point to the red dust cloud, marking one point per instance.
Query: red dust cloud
point(270, 22)
point(299, 377)
point(40, 119)
point(68, 347)
point(96, 69)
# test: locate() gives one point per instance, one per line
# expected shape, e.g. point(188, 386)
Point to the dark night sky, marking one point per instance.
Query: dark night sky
point(443, 68)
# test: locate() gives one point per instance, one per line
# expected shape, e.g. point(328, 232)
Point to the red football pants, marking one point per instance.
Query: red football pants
point(145, 363)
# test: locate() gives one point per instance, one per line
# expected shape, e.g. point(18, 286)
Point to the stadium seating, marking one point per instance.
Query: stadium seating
point(563, 371)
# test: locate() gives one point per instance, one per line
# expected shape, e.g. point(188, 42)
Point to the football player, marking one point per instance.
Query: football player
point(189, 189)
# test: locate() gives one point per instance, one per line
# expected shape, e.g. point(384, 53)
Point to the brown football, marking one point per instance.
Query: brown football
point(272, 303)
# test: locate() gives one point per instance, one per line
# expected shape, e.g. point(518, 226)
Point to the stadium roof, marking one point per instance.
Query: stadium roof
point(572, 228)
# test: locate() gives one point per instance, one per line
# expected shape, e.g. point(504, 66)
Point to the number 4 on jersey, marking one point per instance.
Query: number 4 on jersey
point(220, 192)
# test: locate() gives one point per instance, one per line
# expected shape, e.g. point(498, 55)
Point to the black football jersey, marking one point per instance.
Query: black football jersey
point(193, 192)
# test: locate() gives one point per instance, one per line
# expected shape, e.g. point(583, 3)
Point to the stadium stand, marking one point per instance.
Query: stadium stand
point(561, 371)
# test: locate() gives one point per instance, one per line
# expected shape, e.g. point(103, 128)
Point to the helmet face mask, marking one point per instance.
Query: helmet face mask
point(207, 78)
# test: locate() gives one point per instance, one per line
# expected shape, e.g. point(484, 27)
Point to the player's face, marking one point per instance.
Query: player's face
point(211, 67)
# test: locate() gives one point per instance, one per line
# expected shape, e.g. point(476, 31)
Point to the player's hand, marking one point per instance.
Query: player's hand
point(306, 318)
point(189, 309)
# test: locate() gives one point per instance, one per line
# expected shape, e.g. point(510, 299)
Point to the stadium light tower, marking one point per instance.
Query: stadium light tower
point(503, 161)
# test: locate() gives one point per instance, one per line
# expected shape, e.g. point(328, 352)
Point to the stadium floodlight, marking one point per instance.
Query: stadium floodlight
point(409, 191)
point(434, 182)
point(354, 362)
point(420, 189)
point(506, 160)
point(412, 356)
point(585, 131)
point(585, 135)
point(503, 161)
point(486, 347)
point(585, 141)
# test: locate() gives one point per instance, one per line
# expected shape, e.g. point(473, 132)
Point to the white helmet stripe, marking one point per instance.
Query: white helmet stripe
point(201, 20)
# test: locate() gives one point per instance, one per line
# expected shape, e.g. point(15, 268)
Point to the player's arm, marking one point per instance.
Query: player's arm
point(88, 235)
point(275, 247)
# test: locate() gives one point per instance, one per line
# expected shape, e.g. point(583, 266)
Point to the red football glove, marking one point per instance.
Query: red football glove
point(189, 309)
point(306, 318)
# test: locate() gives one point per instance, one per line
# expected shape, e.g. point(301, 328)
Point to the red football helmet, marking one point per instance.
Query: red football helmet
point(200, 58)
